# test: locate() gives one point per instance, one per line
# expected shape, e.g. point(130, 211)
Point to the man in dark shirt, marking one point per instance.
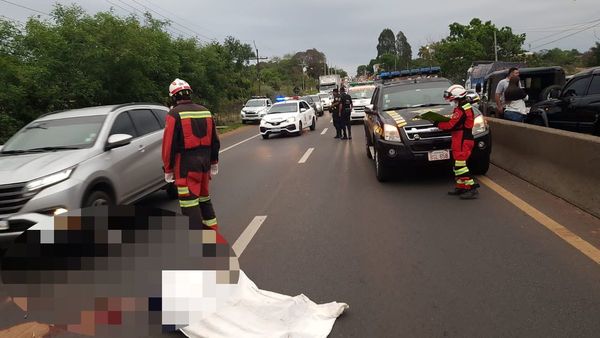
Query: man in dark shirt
point(345, 108)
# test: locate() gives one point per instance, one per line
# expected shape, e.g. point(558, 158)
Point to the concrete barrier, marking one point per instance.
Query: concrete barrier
point(563, 163)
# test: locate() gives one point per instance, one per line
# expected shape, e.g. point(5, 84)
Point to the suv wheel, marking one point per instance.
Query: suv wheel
point(98, 198)
point(479, 166)
point(313, 126)
point(381, 171)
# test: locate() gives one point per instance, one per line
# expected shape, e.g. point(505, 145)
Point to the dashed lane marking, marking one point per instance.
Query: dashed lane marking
point(558, 229)
point(306, 155)
point(324, 131)
point(242, 242)
point(237, 144)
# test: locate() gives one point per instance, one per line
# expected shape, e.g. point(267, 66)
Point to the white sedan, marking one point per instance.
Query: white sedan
point(289, 117)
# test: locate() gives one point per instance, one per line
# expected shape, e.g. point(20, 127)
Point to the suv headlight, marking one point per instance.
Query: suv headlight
point(49, 180)
point(291, 120)
point(480, 125)
point(390, 133)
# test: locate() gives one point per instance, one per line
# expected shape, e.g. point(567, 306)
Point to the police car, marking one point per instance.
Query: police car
point(288, 117)
point(395, 137)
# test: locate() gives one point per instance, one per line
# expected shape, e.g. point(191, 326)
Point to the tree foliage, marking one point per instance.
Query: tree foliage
point(387, 43)
point(403, 49)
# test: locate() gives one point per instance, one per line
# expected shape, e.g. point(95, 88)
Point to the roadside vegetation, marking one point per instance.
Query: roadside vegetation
point(78, 60)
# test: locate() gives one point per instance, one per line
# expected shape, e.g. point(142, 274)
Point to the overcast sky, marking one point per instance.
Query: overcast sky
point(347, 31)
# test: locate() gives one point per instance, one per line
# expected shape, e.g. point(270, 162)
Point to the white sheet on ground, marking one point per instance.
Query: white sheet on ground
point(251, 312)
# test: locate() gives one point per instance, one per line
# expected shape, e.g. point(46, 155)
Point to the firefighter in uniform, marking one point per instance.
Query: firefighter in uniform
point(335, 113)
point(345, 112)
point(190, 153)
point(461, 125)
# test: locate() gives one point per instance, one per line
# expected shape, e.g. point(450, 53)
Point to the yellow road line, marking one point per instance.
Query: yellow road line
point(559, 230)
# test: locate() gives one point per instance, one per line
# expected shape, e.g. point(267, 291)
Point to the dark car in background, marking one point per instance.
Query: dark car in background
point(575, 107)
point(539, 83)
point(396, 138)
point(311, 102)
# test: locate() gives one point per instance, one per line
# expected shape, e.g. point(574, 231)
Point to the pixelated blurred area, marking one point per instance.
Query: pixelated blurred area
point(110, 267)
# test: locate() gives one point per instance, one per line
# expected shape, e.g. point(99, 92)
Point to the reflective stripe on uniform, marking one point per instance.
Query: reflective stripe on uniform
point(189, 204)
point(461, 171)
point(183, 190)
point(195, 114)
point(204, 199)
point(467, 106)
point(210, 222)
point(469, 182)
point(460, 163)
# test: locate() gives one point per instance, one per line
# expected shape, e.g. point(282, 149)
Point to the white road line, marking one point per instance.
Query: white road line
point(242, 242)
point(331, 121)
point(324, 131)
point(306, 155)
point(237, 144)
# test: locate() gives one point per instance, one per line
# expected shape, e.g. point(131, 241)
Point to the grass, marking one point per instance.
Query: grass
point(225, 129)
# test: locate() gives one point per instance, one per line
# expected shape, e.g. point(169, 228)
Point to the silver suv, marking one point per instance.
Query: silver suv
point(77, 158)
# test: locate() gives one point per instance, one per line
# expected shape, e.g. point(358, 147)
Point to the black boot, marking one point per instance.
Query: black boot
point(470, 194)
point(456, 192)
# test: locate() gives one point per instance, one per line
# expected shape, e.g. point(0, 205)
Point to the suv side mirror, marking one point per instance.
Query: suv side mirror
point(117, 140)
point(302, 110)
point(369, 110)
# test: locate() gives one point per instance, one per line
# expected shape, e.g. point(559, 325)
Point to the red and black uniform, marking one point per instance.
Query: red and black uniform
point(190, 146)
point(461, 126)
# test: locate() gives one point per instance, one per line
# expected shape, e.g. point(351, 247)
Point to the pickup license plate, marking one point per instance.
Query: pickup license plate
point(438, 155)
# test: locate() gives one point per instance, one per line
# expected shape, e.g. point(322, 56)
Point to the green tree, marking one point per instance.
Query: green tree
point(591, 58)
point(467, 43)
point(362, 70)
point(387, 43)
point(403, 50)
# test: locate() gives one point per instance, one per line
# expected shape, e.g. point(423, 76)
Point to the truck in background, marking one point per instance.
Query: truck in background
point(328, 82)
point(480, 69)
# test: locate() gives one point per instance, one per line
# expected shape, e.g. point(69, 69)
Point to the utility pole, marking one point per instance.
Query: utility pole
point(495, 46)
point(258, 66)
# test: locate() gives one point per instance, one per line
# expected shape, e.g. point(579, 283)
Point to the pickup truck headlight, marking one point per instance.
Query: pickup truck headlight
point(390, 133)
point(291, 120)
point(480, 125)
point(49, 180)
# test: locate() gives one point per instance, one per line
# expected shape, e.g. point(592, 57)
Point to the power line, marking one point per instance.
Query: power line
point(175, 22)
point(593, 23)
point(566, 36)
point(559, 26)
point(25, 7)
point(179, 17)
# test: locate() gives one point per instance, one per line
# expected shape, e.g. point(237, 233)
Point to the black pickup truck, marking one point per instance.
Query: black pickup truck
point(396, 138)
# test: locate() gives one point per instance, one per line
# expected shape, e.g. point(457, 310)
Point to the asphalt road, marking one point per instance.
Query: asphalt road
point(408, 259)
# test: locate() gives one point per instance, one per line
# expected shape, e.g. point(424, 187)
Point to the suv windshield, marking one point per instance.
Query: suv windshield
point(67, 133)
point(363, 93)
point(284, 108)
point(256, 103)
point(414, 95)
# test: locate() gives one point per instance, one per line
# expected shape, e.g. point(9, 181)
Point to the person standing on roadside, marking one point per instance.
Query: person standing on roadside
point(190, 153)
point(335, 113)
point(345, 111)
point(515, 96)
point(501, 88)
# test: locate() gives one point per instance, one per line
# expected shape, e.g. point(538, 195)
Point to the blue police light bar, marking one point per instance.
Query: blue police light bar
point(280, 99)
point(410, 72)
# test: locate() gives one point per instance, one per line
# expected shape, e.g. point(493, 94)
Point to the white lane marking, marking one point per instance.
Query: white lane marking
point(331, 121)
point(324, 131)
point(242, 242)
point(306, 155)
point(237, 144)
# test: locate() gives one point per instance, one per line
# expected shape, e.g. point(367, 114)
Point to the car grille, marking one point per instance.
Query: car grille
point(416, 133)
point(12, 198)
point(251, 114)
point(359, 109)
point(276, 123)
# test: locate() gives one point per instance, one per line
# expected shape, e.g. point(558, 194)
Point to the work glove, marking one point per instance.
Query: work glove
point(169, 178)
point(214, 169)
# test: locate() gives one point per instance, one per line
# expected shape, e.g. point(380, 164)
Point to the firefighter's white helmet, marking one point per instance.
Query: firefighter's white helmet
point(178, 85)
point(455, 92)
